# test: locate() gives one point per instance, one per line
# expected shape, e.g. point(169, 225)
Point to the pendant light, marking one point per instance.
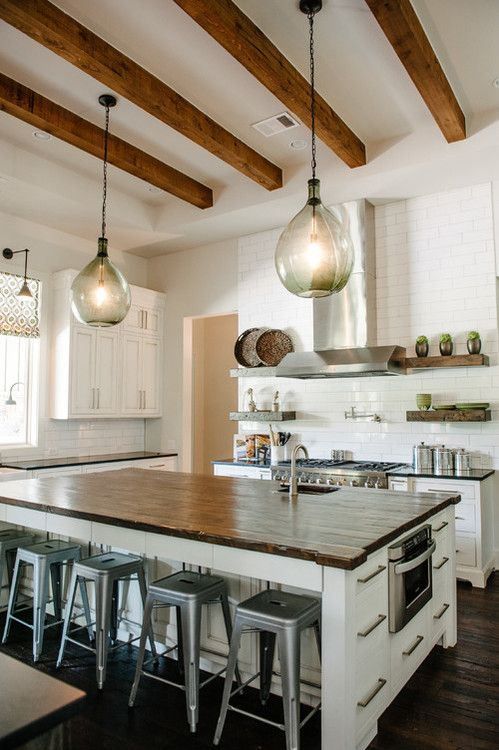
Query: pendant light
point(100, 295)
point(314, 254)
point(7, 253)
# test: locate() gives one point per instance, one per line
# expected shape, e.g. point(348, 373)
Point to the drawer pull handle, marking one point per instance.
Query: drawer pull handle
point(442, 612)
point(441, 564)
point(460, 518)
point(374, 692)
point(411, 650)
point(442, 526)
point(378, 621)
point(372, 575)
point(156, 466)
point(458, 550)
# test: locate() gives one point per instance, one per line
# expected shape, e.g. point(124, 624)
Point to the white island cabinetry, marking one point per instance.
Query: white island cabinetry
point(238, 470)
point(114, 372)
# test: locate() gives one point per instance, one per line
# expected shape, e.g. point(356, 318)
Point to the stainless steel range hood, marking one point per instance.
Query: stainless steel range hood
point(345, 323)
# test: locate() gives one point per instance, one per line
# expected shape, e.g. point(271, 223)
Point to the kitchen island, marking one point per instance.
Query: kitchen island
point(334, 545)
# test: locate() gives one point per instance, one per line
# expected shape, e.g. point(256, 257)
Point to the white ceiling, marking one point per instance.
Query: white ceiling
point(357, 72)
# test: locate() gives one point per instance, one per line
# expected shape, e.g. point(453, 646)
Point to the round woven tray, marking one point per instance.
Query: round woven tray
point(244, 348)
point(272, 346)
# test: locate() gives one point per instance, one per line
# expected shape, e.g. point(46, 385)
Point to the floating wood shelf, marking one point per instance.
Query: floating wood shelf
point(262, 416)
point(449, 415)
point(455, 360)
point(253, 372)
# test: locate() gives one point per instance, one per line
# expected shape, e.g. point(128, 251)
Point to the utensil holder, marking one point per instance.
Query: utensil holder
point(277, 453)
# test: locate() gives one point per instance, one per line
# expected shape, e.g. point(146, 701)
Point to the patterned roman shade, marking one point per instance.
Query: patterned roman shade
point(19, 316)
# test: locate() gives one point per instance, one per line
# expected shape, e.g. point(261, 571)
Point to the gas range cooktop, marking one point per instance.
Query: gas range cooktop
point(346, 473)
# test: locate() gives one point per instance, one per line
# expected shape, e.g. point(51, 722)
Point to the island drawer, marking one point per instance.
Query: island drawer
point(408, 649)
point(372, 687)
point(371, 618)
point(372, 573)
point(439, 609)
point(465, 549)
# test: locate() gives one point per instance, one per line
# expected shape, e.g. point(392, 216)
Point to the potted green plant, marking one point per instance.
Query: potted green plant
point(422, 346)
point(446, 346)
point(474, 342)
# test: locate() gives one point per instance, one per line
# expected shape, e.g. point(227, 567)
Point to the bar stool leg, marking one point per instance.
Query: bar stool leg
point(68, 611)
point(55, 575)
point(10, 561)
point(267, 650)
point(289, 657)
point(229, 677)
point(114, 611)
point(180, 648)
point(143, 593)
point(86, 606)
point(41, 576)
point(12, 598)
point(103, 597)
point(228, 629)
point(146, 624)
point(191, 637)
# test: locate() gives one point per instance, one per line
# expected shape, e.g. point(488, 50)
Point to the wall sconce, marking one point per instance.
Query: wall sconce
point(8, 254)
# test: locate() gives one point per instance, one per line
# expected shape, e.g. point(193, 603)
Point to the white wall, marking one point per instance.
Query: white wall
point(51, 251)
point(201, 281)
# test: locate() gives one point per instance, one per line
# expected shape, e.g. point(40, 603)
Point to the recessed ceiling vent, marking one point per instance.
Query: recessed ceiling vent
point(276, 124)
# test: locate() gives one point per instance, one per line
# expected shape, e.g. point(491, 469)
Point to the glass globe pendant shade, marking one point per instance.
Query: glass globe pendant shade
point(100, 294)
point(314, 255)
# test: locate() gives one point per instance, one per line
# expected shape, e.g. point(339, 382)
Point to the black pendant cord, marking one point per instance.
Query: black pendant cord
point(25, 265)
point(312, 92)
point(104, 174)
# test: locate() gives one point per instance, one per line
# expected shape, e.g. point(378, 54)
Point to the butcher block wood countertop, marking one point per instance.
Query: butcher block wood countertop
point(338, 529)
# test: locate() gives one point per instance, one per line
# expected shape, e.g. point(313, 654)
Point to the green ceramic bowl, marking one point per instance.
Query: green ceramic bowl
point(423, 401)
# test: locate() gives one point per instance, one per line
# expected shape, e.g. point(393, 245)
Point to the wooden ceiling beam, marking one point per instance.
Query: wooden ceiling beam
point(236, 33)
point(62, 34)
point(405, 33)
point(27, 105)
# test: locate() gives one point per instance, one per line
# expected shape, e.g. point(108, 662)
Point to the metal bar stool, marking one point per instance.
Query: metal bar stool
point(282, 616)
point(47, 559)
point(106, 571)
point(187, 591)
point(10, 540)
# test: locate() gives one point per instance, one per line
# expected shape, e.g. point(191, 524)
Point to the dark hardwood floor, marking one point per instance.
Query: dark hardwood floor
point(451, 703)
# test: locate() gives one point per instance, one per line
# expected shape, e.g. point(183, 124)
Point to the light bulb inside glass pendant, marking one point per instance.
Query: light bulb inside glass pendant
point(315, 255)
point(100, 294)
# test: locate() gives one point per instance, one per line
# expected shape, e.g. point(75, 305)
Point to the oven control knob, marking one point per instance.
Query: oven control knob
point(354, 483)
point(371, 483)
point(319, 480)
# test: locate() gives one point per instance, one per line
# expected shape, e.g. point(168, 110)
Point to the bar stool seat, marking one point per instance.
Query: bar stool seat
point(106, 571)
point(282, 616)
point(187, 591)
point(10, 540)
point(47, 559)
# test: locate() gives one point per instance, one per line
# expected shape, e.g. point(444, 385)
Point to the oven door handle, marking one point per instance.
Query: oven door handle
point(404, 567)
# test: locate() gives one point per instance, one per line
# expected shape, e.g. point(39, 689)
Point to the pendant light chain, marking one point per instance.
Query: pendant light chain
point(312, 92)
point(104, 173)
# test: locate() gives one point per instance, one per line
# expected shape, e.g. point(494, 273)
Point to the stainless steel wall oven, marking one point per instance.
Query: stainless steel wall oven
point(409, 577)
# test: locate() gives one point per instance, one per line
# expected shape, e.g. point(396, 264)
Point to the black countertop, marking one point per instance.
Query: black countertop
point(473, 475)
point(244, 462)
point(53, 463)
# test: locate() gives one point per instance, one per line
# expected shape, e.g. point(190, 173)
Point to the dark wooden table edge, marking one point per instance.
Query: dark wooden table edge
point(35, 728)
point(319, 558)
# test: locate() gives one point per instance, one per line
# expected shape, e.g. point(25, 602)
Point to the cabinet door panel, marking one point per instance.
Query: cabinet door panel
point(82, 371)
point(131, 374)
point(106, 373)
point(151, 352)
point(152, 320)
point(134, 320)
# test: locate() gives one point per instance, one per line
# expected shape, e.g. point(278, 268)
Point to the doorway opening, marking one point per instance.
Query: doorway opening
point(209, 391)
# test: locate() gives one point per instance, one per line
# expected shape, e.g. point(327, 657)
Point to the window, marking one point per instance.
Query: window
point(19, 355)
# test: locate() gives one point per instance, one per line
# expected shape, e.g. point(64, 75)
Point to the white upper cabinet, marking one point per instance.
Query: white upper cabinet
point(106, 372)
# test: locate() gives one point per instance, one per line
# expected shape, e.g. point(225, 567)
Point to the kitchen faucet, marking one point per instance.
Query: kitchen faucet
point(293, 482)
